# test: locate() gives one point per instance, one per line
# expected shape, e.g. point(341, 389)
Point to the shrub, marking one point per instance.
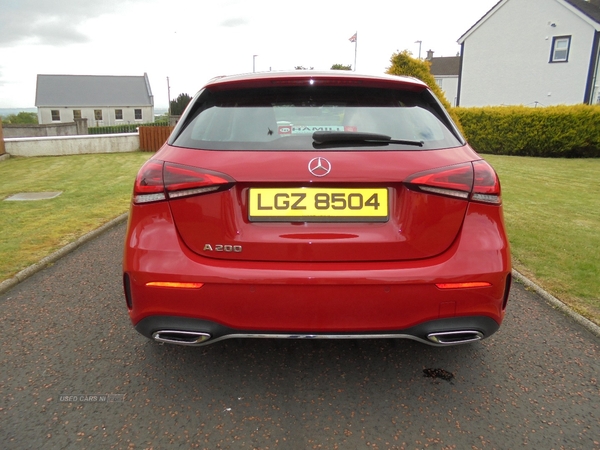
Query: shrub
point(22, 118)
point(403, 64)
point(125, 128)
point(555, 131)
point(112, 129)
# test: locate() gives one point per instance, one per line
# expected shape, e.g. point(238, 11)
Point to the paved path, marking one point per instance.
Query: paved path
point(65, 332)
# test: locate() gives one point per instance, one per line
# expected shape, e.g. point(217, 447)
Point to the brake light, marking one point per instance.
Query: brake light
point(475, 181)
point(158, 181)
point(319, 81)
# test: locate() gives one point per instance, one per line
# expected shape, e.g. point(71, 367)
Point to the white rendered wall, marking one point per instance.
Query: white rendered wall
point(506, 59)
point(72, 145)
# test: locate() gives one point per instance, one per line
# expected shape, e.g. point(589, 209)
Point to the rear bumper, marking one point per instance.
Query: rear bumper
point(196, 332)
point(317, 299)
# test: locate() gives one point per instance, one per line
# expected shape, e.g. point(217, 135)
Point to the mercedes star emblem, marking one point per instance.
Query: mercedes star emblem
point(319, 167)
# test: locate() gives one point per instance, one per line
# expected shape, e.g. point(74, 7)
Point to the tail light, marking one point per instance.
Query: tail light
point(486, 186)
point(475, 181)
point(149, 185)
point(158, 180)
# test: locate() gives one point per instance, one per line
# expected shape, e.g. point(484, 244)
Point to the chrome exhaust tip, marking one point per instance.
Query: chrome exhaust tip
point(180, 337)
point(455, 337)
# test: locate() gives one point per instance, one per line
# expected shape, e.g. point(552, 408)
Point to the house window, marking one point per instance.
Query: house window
point(560, 48)
point(97, 114)
point(118, 114)
point(76, 114)
point(55, 115)
point(138, 114)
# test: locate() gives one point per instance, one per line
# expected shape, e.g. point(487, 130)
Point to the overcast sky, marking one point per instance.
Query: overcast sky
point(191, 41)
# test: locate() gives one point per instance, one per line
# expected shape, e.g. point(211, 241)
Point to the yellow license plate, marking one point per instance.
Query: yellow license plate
point(318, 204)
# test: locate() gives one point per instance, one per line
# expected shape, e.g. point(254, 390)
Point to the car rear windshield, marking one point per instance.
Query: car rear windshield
point(286, 118)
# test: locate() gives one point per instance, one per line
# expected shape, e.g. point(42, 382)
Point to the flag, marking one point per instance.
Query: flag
point(353, 38)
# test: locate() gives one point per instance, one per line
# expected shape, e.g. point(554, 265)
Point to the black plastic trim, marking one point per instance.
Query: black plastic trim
point(486, 325)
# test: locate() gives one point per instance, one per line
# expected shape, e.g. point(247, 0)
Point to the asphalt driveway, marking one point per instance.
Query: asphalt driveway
point(74, 373)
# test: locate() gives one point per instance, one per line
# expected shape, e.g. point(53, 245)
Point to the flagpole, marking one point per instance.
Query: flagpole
point(355, 49)
point(354, 39)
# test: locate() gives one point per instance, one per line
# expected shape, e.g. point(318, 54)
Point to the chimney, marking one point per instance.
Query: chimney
point(430, 54)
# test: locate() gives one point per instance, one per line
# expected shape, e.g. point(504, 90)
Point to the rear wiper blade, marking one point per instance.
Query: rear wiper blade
point(336, 138)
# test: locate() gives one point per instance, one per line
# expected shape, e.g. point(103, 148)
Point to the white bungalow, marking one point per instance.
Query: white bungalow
point(101, 99)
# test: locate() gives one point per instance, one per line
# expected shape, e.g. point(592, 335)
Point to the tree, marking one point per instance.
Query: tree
point(163, 119)
point(179, 104)
point(341, 67)
point(404, 64)
point(21, 118)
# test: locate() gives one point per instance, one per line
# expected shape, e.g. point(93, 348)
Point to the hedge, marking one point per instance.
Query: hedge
point(554, 131)
point(124, 128)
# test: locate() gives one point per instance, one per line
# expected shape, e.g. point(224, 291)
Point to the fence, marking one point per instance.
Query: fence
point(153, 138)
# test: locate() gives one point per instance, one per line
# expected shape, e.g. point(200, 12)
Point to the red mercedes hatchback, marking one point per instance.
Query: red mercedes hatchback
point(316, 205)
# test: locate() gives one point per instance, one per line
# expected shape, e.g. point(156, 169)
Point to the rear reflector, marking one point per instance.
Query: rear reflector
point(176, 285)
point(471, 284)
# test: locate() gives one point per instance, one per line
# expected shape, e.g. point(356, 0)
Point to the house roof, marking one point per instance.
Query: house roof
point(93, 91)
point(445, 65)
point(588, 8)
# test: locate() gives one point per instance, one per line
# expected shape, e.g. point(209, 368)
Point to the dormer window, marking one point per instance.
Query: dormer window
point(560, 48)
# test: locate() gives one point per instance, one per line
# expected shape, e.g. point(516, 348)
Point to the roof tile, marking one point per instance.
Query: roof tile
point(93, 90)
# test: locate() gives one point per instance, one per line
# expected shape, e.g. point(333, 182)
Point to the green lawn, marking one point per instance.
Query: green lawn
point(552, 213)
point(551, 206)
point(96, 189)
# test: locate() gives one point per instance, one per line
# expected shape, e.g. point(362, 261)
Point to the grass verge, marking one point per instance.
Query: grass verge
point(95, 189)
point(552, 214)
